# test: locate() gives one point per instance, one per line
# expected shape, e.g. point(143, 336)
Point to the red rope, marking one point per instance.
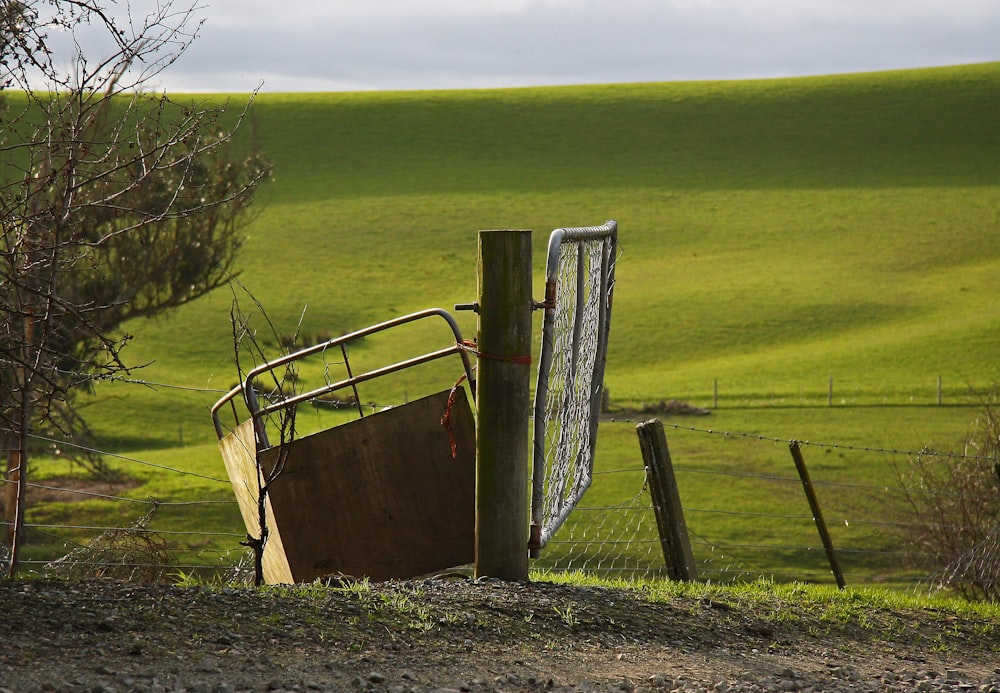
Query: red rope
point(472, 348)
point(446, 419)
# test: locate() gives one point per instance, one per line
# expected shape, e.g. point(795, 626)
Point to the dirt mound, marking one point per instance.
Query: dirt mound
point(673, 407)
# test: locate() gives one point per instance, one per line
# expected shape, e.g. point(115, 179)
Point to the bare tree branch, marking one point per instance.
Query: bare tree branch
point(115, 203)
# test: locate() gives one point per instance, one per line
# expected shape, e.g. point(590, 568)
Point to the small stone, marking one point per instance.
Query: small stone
point(208, 666)
point(376, 677)
point(134, 648)
point(847, 672)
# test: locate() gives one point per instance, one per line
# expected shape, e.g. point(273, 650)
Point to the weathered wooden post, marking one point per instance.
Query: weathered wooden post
point(824, 533)
point(503, 403)
point(666, 501)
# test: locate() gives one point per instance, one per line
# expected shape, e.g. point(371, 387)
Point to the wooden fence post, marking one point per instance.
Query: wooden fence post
point(503, 403)
point(824, 534)
point(666, 501)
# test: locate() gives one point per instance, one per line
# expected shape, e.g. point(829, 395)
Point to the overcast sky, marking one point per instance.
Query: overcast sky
point(325, 45)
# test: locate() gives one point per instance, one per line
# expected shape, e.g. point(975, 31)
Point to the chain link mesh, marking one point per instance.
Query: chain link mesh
point(580, 284)
point(614, 541)
point(568, 464)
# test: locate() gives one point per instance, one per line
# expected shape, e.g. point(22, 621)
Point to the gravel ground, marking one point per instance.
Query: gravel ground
point(469, 635)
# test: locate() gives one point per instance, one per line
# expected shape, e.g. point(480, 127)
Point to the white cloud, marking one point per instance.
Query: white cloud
point(388, 44)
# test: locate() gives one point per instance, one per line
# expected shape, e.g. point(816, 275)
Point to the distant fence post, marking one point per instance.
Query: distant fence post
point(666, 501)
point(504, 405)
point(824, 534)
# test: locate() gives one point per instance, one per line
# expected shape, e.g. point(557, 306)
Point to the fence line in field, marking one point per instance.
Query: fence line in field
point(613, 538)
point(728, 558)
point(934, 393)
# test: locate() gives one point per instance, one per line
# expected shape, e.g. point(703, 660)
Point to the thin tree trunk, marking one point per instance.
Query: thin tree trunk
point(19, 454)
point(9, 496)
point(21, 470)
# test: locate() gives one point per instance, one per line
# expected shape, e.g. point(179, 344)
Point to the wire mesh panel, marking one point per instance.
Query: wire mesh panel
point(619, 540)
point(579, 284)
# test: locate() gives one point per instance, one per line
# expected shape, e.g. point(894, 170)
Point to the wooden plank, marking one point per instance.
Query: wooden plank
point(239, 456)
point(380, 497)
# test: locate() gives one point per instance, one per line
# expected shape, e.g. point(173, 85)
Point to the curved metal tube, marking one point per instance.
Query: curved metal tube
point(257, 412)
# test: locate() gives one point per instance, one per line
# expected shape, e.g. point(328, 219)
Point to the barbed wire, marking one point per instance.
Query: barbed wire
point(111, 377)
point(112, 564)
point(104, 496)
point(810, 518)
point(926, 452)
point(39, 529)
point(157, 386)
point(782, 478)
point(137, 530)
point(126, 458)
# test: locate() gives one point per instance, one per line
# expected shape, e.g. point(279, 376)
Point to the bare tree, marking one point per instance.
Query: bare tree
point(115, 203)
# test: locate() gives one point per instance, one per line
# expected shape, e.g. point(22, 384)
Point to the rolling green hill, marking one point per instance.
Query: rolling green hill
point(774, 233)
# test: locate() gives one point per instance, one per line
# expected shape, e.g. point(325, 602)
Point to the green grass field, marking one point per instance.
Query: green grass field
point(775, 235)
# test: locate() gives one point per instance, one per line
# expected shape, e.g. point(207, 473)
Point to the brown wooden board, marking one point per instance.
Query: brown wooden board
point(380, 497)
point(238, 453)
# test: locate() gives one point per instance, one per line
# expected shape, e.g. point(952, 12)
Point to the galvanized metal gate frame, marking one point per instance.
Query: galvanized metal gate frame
point(541, 531)
point(258, 412)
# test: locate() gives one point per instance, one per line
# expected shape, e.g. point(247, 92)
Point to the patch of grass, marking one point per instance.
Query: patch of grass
point(568, 615)
point(816, 608)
